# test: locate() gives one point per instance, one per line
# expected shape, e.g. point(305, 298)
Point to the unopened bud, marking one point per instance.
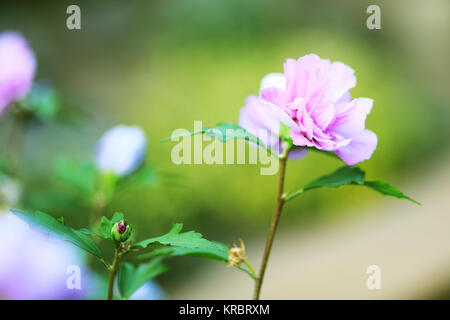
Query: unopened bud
point(121, 231)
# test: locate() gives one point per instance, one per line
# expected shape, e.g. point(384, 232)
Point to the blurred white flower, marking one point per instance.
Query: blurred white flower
point(33, 265)
point(121, 150)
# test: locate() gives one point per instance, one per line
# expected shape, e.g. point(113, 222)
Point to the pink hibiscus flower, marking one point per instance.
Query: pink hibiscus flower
point(312, 98)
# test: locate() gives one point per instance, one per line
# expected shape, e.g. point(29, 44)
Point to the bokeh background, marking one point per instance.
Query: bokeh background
point(163, 64)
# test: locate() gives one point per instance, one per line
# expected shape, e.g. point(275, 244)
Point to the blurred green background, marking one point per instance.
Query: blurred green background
point(163, 64)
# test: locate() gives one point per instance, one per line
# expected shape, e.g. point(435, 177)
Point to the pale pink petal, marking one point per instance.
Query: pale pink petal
point(343, 102)
point(359, 149)
point(275, 96)
point(303, 75)
point(299, 139)
point(340, 79)
point(352, 118)
point(280, 114)
point(325, 116)
point(257, 118)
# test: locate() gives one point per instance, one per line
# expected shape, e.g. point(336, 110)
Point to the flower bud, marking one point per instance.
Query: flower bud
point(121, 231)
point(121, 150)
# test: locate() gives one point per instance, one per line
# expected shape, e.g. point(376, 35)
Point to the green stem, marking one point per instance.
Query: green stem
point(249, 266)
point(275, 220)
point(112, 273)
point(247, 272)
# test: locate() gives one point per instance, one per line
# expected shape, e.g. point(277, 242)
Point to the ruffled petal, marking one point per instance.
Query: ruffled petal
point(325, 116)
point(360, 148)
point(352, 117)
point(257, 118)
point(340, 79)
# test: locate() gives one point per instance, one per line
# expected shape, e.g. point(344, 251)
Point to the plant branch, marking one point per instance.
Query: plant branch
point(275, 220)
point(112, 273)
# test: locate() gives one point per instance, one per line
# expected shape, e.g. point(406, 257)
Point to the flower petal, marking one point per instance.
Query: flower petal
point(359, 149)
point(352, 117)
point(340, 79)
point(274, 80)
point(325, 116)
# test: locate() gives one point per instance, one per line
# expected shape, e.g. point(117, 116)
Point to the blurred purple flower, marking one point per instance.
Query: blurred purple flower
point(121, 150)
point(312, 98)
point(17, 68)
point(34, 266)
point(149, 291)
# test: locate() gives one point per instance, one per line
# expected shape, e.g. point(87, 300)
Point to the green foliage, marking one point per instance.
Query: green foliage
point(81, 176)
point(285, 133)
point(143, 177)
point(104, 229)
point(46, 223)
point(385, 188)
point(186, 243)
point(131, 278)
point(2, 163)
point(350, 176)
point(225, 131)
point(210, 253)
point(43, 101)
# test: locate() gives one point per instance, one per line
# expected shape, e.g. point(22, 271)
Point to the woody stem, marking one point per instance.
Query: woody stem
point(275, 220)
point(112, 273)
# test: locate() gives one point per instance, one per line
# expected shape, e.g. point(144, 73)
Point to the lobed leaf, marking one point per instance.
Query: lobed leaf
point(210, 253)
point(350, 176)
point(225, 131)
point(186, 243)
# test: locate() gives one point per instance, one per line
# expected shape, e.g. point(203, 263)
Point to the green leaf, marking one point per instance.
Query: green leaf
point(210, 253)
point(385, 188)
point(285, 133)
point(43, 100)
point(342, 176)
point(88, 232)
point(350, 176)
point(187, 243)
point(47, 224)
point(225, 131)
point(104, 229)
point(131, 278)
